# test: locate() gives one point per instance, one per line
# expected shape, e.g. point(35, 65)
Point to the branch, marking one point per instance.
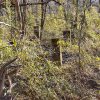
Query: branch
point(9, 62)
point(3, 23)
point(29, 4)
point(57, 2)
point(38, 3)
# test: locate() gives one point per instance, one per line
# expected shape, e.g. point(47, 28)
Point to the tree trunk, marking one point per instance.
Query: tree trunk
point(43, 15)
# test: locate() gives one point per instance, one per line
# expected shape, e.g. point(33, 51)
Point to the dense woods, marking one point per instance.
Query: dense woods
point(49, 49)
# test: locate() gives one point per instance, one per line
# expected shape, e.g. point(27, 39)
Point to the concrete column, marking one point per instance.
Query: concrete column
point(56, 52)
point(66, 34)
point(36, 31)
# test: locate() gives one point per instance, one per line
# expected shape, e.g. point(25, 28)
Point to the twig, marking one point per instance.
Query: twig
point(3, 23)
point(9, 62)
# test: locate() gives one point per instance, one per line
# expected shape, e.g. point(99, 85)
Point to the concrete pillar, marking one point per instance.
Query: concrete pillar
point(36, 31)
point(66, 34)
point(56, 52)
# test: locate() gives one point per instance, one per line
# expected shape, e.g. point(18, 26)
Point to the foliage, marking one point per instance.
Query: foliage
point(40, 78)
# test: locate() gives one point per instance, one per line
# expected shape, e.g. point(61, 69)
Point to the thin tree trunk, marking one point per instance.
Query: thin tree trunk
point(80, 35)
point(90, 2)
point(43, 15)
point(76, 17)
point(99, 6)
point(16, 3)
point(23, 15)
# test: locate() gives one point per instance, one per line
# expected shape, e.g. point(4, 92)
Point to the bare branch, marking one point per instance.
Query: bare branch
point(3, 23)
point(9, 62)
